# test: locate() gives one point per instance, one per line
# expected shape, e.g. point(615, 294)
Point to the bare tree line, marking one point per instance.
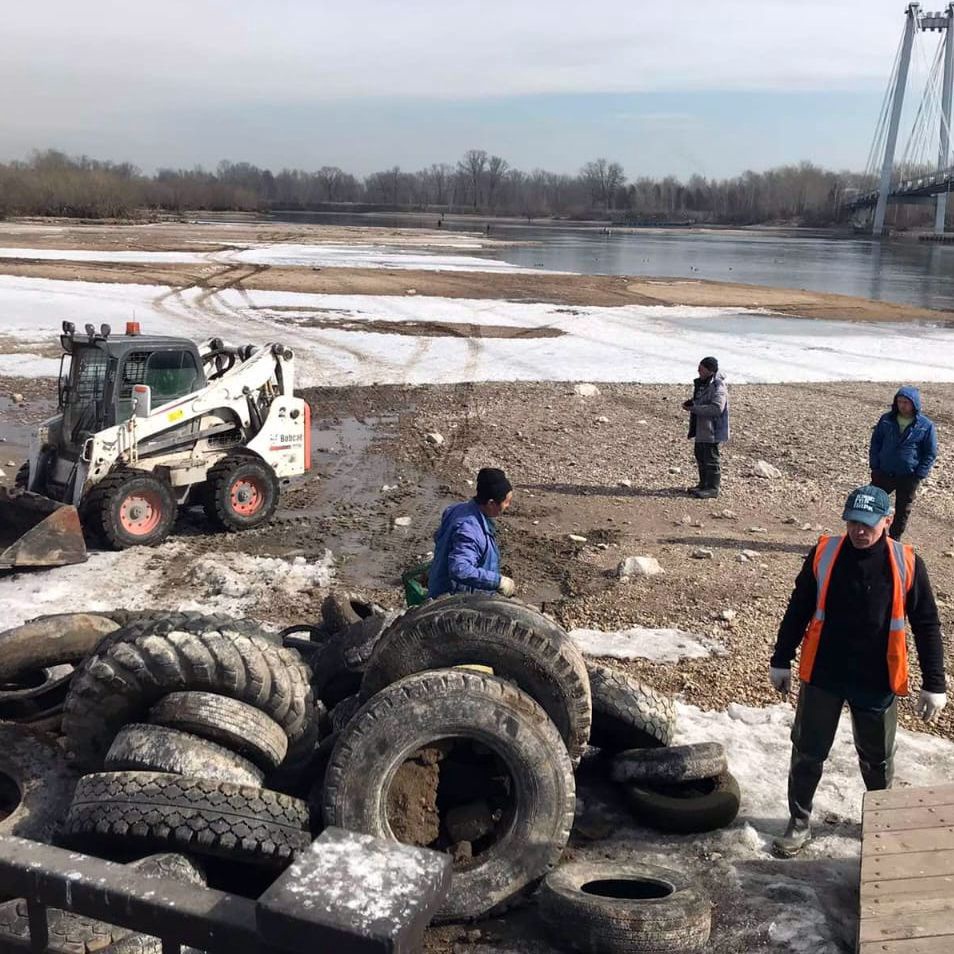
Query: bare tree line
point(52, 183)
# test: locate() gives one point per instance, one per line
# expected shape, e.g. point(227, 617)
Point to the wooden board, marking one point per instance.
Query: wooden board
point(906, 901)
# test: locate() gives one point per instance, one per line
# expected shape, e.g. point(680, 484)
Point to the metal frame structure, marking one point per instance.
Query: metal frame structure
point(927, 22)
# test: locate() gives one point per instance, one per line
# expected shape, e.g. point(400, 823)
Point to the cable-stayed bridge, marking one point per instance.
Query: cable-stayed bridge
point(925, 171)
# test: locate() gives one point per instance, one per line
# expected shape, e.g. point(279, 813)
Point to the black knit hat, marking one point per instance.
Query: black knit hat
point(492, 484)
point(711, 363)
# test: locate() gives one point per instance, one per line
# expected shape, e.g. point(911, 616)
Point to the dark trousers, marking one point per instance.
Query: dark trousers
point(813, 733)
point(710, 470)
point(905, 489)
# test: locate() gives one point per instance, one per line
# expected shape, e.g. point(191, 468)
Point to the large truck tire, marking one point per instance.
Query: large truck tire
point(121, 683)
point(130, 508)
point(241, 492)
point(670, 765)
point(235, 725)
point(70, 933)
point(155, 810)
point(154, 748)
point(686, 808)
point(36, 784)
point(543, 663)
point(624, 908)
point(628, 714)
point(460, 707)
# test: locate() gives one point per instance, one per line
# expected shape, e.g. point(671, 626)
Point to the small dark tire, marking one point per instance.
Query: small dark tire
point(22, 478)
point(50, 641)
point(628, 714)
point(670, 765)
point(131, 508)
point(155, 748)
point(621, 908)
point(337, 611)
point(121, 682)
point(242, 492)
point(70, 933)
point(34, 693)
point(149, 810)
point(36, 784)
point(544, 663)
point(226, 721)
point(459, 706)
point(688, 807)
point(338, 663)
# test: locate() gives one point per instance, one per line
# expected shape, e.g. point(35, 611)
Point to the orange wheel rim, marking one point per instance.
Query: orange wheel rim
point(247, 496)
point(141, 512)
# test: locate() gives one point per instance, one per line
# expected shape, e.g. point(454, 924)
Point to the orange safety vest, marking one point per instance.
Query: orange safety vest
point(901, 558)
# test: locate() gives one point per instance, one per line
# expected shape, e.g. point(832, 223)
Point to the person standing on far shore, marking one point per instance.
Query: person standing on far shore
point(708, 425)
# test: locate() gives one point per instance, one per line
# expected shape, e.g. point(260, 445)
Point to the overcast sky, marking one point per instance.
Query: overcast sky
point(687, 87)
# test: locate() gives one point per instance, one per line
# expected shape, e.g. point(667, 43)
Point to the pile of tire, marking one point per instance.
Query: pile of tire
point(176, 724)
point(681, 789)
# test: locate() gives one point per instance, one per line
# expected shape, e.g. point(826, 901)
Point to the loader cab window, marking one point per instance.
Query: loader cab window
point(82, 387)
point(170, 374)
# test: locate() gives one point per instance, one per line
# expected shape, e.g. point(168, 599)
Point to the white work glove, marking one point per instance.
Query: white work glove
point(505, 587)
point(781, 679)
point(930, 704)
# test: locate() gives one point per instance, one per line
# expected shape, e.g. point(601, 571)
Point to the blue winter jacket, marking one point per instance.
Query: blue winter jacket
point(912, 452)
point(466, 556)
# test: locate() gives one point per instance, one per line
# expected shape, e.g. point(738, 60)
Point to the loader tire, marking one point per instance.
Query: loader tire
point(36, 784)
point(242, 492)
point(120, 683)
point(628, 714)
point(687, 807)
point(461, 707)
point(669, 765)
point(130, 508)
point(236, 725)
point(71, 933)
point(624, 908)
point(154, 748)
point(544, 663)
point(156, 810)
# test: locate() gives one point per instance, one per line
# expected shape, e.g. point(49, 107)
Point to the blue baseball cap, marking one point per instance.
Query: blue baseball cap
point(868, 504)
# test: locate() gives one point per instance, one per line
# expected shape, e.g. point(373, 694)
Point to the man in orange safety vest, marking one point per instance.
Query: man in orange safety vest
point(848, 612)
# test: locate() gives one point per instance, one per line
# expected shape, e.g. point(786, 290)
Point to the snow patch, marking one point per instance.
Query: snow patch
point(23, 364)
point(660, 645)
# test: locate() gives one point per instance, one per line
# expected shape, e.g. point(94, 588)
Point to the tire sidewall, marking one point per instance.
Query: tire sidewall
point(221, 491)
point(121, 538)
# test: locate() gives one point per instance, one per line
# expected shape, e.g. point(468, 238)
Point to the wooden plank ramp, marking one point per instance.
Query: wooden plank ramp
point(907, 872)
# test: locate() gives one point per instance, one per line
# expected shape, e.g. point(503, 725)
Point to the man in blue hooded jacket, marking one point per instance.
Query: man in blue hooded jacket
point(902, 452)
point(466, 555)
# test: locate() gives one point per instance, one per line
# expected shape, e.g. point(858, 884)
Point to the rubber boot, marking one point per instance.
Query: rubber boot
point(708, 488)
point(796, 837)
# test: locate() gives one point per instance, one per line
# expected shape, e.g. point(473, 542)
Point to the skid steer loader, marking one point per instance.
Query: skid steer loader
point(147, 424)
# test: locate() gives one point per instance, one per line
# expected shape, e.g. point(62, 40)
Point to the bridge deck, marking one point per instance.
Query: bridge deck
point(907, 872)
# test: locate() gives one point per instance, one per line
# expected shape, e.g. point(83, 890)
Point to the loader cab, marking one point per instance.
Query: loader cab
point(98, 372)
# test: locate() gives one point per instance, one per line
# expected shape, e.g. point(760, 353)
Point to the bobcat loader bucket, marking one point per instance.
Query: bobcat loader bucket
point(38, 531)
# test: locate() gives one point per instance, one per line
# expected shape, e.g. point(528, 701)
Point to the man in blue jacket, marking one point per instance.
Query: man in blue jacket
point(902, 452)
point(466, 555)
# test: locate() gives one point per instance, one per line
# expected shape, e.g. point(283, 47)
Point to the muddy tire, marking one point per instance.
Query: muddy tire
point(130, 508)
point(670, 765)
point(120, 683)
point(456, 704)
point(543, 663)
point(344, 712)
point(493, 603)
point(618, 908)
point(50, 641)
point(36, 784)
point(155, 748)
point(687, 807)
point(338, 664)
point(242, 492)
point(225, 721)
point(337, 613)
point(150, 810)
point(628, 714)
point(70, 933)
point(32, 693)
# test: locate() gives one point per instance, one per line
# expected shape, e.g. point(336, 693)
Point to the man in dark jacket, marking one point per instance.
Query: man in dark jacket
point(849, 605)
point(466, 555)
point(902, 452)
point(708, 425)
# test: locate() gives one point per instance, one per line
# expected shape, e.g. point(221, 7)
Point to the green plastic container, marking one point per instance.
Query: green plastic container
point(415, 584)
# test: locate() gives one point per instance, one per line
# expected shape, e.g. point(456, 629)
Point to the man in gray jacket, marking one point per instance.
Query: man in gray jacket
point(708, 425)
